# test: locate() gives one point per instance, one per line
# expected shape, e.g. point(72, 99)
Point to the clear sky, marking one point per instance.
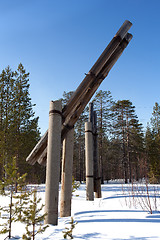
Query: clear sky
point(58, 41)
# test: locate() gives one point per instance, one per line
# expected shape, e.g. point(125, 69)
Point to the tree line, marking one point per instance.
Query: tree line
point(126, 150)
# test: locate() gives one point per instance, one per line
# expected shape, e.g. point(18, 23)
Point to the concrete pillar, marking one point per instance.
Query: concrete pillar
point(89, 161)
point(67, 164)
point(53, 163)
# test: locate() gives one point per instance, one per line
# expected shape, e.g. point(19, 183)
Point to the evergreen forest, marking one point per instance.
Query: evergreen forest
point(126, 150)
point(19, 131)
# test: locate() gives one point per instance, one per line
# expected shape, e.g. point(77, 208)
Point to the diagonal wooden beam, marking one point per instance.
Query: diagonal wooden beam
point(97, 67)
point(85, 91)
point(93, 86)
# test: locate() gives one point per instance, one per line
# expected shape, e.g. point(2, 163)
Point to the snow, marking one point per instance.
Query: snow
point(115, 216)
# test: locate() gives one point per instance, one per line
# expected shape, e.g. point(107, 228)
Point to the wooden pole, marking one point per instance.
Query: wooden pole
point(53, 163)
point(89, 161)
point(91, 113)
point(97, 175)
point(67, 163)
point(96, 165)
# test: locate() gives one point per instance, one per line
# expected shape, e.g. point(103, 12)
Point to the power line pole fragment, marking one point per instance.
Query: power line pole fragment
point(93, 178)
point(89, 161)
point(97, 174)
point(53, 163)
point(67, 165)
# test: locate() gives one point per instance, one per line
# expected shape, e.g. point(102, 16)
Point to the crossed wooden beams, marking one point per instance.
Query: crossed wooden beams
point(85, 91)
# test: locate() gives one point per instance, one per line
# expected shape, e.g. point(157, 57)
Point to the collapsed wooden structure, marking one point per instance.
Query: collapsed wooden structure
point(85, 91)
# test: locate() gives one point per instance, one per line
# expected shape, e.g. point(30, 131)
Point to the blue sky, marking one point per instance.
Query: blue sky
point(59, 41)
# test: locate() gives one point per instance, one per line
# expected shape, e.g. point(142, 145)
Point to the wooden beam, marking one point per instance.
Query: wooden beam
point(97, 67)
point(38, 149)
point(93, 86)
point(85, 91)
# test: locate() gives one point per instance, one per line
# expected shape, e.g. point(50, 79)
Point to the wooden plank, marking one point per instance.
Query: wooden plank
point(43, 157)
point(38, 149)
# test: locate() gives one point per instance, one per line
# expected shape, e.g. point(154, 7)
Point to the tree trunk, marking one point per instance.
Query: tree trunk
point(33, 231)
point(79, 159)
point(125, 160)
point(128, 153)
point(10, 213)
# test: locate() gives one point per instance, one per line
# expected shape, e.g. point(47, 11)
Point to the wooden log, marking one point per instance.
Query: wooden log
point(38, 149)
point(112, 46)
point(97, 175)
point(53, 163)
point(75, 112)
point(83, 99)
point(89, 161)
point(66, 186)
point(91, 112)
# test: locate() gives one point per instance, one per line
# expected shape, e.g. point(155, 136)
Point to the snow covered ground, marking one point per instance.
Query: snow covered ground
point(113, 217)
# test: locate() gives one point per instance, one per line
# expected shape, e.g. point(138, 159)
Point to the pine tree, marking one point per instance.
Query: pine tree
point(30, 215)
point(155, 120)
point(66, 97)
point(6, 99)
point(102, 105)
point(7, 188)
point(79, 150)
point(137, 168)
point(24, 125)
point(114, 158)
point(124, 120)
point(152, 141)
point(69, 231)
point(19, 130)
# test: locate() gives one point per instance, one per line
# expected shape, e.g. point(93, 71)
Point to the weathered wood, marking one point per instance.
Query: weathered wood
point(89, 161)
point(38, 149)
point(91, 112)
point(112, 46)
point(43, 157)
point(53, 163)
point(66, 186)
point(96, 165)
point(83, 94)
point(97, 175)
point(75, 112)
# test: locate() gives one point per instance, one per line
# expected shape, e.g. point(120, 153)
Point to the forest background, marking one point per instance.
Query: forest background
point(126, 150)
